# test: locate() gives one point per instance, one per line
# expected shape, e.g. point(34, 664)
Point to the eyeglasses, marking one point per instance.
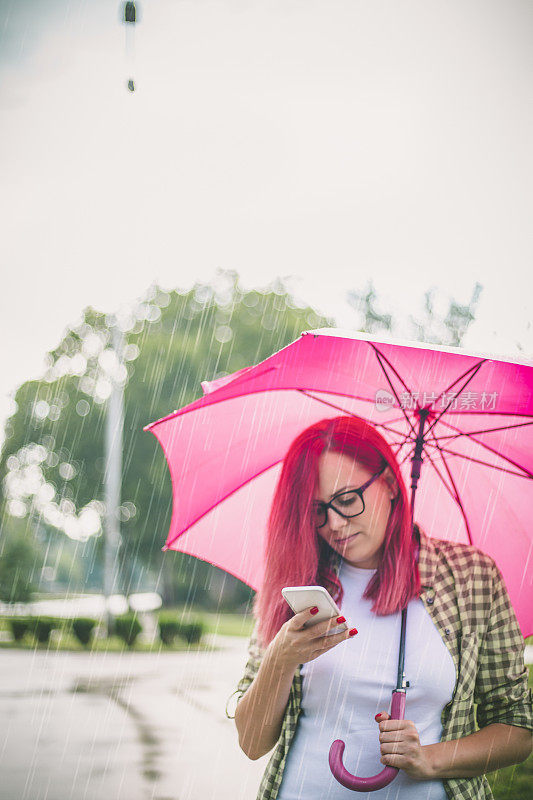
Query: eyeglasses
point(350, 501)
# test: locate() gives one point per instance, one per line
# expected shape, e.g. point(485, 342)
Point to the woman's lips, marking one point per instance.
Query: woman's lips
point(347, 538)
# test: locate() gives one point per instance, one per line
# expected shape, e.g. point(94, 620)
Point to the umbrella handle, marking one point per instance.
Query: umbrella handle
point(378, 781)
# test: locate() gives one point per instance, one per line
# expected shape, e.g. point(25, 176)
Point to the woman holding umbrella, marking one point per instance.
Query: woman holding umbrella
point(341, 518)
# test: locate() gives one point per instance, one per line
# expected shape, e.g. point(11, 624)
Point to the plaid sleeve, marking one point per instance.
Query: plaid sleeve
point(501, 689)
point(255, 656)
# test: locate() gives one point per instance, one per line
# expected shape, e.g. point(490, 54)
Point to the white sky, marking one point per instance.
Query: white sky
point(336, 141)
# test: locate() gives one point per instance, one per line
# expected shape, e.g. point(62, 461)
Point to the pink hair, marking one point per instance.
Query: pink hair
point(296, 555)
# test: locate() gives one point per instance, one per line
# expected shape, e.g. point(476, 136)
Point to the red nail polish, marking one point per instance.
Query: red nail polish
point(314, 610)
point(353, 631)
point(377, 717)
point(341, 619)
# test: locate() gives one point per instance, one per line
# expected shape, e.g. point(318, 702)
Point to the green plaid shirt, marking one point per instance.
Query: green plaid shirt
point(464, 594)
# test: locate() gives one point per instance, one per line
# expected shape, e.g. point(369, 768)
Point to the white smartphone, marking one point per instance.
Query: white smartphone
point(301, 597)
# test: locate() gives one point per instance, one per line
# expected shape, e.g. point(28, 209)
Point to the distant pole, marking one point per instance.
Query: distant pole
point(113, 478)
point(130, 18)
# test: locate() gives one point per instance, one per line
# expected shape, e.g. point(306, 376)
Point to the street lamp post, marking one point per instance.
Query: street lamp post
point(113, 476)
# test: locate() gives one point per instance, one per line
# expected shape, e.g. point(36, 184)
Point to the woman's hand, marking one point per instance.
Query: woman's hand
point(294, 644)
point(401, 748)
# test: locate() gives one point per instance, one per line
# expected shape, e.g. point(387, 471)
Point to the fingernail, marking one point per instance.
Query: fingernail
point(341, 619)
point(377, 717)
point(353, 631)
point(314, 610)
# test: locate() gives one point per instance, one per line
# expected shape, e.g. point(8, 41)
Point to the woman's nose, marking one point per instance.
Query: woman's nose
point(335, 521)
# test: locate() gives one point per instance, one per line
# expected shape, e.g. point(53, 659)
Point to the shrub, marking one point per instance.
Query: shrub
point(82, 628)
point(19, 626)
point(42, 627)
point(169, 628)
point(192, 631)
point(128, 627)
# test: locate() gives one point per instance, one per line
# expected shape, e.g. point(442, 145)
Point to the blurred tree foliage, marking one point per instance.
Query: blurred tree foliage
point(430, 325)
point(173, 342)
point(19, 556)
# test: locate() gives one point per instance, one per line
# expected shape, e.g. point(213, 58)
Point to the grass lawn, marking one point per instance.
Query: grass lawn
point(111, 645)
point(220, 624)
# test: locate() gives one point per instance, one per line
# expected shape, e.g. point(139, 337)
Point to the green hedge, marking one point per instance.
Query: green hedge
point(170, 627)
point(19, 627)
point(192, 632)
point(82, 628)
point(127, 628)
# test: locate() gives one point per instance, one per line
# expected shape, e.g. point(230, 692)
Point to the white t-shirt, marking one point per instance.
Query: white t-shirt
point(344, 688)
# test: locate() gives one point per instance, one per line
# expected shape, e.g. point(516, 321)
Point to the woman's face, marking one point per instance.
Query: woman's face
point(358, 539)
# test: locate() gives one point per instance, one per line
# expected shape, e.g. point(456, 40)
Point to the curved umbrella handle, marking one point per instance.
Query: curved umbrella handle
point(378, 781)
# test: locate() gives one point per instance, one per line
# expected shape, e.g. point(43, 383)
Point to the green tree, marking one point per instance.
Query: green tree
point(18, 558)
point(52, 462)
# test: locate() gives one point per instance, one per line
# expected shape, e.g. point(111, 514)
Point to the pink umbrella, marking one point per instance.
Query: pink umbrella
point(471, 415)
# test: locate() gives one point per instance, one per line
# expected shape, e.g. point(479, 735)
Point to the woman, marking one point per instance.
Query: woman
point(302, 689)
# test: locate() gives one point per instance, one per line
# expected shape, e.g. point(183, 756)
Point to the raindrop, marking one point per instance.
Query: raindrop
point(92, 345)
point(87, 385)
point(163, 299)
point(223, 334)
point(41, 409)
point(131, 352)
point(89, 521)
point(153, 314)
point(46, 493)
point(13, 463)
point(54, 413)
point(108, 361)
point(82, 408)
point(131, 507)
point(67, 506)
point(78, 364)
point(52, 460)
point(17, 508)
point(102, 390)
point(67, 471)
point(48, 441)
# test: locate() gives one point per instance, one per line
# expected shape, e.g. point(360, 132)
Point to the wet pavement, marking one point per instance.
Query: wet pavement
point(132, 726)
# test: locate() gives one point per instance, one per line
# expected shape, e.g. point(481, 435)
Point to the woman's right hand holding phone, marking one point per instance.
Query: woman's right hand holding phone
point(296, 644)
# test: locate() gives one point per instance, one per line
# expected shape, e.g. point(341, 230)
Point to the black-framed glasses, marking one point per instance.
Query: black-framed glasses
point(348, 503)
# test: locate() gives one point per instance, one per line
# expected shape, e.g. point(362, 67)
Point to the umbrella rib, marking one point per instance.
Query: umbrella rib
point(488, 413)
point(485, 430)
point(229, 494)
point(386, 427)
point(527, 472)
point(455, 493)
point(478, 460)
point(379, 355)
point(475, 369)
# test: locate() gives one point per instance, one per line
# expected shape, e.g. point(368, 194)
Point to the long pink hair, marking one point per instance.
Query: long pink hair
point(296, 555)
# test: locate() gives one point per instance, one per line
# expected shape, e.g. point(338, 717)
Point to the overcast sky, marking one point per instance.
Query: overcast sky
point(335, 141)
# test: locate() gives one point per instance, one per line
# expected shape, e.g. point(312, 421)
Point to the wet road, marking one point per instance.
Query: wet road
point(127, 726)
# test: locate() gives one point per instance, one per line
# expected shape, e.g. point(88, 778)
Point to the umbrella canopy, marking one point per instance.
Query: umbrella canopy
point(225, 450)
